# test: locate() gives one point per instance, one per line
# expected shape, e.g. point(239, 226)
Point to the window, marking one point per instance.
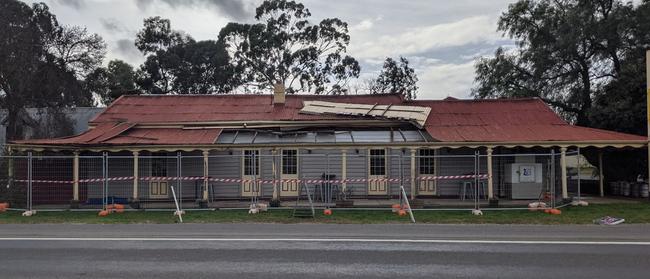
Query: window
point(251, 157)
point(159, 165)
point(427, 164)
point(377, 162)
point(290, 161)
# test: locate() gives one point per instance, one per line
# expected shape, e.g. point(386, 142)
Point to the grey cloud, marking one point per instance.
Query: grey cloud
point(76, 4)
point(112, 25)
point(143, 4)
point(126, 47)
point(236, 9)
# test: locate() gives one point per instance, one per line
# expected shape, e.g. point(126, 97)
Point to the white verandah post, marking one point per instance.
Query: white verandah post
point(136, 177)
point(75, 178)
point(206, 174)
point(413, 188)
point(601, 175)
point(565, 194)
point(344, 169)
point(490, 182)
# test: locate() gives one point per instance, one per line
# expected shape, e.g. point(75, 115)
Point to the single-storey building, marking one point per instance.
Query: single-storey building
point(266, 146)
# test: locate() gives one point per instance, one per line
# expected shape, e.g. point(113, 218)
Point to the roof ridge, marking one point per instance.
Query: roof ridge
point(476, 100)
point(255, 94)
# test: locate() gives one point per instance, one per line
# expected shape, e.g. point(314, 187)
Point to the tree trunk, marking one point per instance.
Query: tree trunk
point(13, 132)
point(584, 98)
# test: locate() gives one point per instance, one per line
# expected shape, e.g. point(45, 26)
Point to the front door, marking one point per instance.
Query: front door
point(377, 184)
point(426, 172)
point(158, 189)
point(289, 184)
point(250, 173)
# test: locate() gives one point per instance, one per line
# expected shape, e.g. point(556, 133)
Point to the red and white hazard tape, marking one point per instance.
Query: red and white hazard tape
point(44, 181)
point(163, 178)
point(262, 181)
point(442, 177)
point(121, 178)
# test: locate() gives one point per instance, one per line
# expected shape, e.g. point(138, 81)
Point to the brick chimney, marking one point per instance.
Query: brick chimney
point(278, 94)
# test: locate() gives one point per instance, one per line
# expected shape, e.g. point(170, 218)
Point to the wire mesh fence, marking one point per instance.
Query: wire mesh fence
point(369, 178)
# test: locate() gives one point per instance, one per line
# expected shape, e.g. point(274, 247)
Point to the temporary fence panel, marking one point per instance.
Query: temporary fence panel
point(357, 170)
point(192, 177)
point(120, 176)
point(14, 181)
point(399, 172)
point(52, 182)
point(91, 181)
point(457, 177)
point(224, 167)
point(157, 172)
point(319, 170)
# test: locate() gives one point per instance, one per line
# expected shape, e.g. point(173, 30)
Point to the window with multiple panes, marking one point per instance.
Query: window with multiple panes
point(377, 162)
point(426, 158)
point(251, 162)
point(290, 161)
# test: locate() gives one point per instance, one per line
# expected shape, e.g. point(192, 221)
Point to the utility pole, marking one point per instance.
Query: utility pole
point(647, 75)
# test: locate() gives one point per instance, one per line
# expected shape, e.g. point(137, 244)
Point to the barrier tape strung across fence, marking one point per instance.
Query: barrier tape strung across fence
point(263, 181)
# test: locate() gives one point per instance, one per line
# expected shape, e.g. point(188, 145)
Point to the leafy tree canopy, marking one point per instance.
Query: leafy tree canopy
point(396, 77)
point(283, 47)
point(567, 51)
point(41, 62)
point(178, 64)
point(109, 83)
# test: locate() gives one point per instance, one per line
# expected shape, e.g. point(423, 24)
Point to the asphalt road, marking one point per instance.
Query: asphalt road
point(323, 251)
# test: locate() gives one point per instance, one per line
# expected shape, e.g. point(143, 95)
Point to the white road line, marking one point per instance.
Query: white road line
point(366, 240)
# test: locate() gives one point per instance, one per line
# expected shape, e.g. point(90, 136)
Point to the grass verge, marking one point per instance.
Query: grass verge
point(632, 212)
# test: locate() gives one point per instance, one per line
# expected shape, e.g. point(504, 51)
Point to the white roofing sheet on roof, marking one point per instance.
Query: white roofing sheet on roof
point(415, 114)
point(385, 136)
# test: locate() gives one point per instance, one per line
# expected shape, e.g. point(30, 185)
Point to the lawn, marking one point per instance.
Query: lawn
point(632, 212)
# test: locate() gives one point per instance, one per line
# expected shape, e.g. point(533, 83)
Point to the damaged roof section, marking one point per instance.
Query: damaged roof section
point(414, 114)
point(112, 133)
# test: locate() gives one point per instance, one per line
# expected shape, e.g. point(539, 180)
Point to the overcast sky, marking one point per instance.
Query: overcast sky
point(441, 38)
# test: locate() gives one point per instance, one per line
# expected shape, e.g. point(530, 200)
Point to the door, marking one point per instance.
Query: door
point(427, 168)
point(250, 173)
point(158, 189)
point(289, 171)
point(377, 185)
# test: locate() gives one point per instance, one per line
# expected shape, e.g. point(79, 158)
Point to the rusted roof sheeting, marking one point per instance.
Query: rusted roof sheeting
point(209, 108)
point(166, 136)
point(103, 130)
point(108, 134)
point(517, 120)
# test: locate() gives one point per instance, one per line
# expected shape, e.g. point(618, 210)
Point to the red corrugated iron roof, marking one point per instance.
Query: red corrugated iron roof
point(106, 134)
point(450, 120)
point(166, 136)
point(213, 108)
point(503, 120)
